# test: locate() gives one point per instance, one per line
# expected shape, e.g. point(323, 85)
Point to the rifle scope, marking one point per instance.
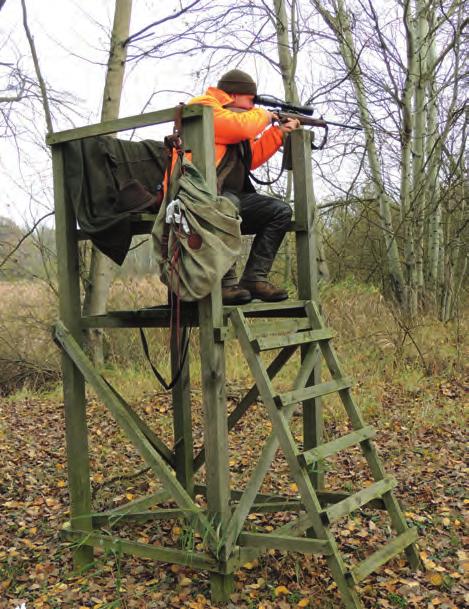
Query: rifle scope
point(271, 101)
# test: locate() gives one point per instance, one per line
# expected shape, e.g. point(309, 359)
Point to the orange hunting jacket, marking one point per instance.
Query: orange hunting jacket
point(234, 127)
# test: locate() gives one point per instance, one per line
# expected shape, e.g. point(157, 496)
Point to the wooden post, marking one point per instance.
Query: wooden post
point(182, 417)
point(76, 430)
point(305, 208)
point(199, 138)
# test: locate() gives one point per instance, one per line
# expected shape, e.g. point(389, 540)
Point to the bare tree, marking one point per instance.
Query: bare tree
point(414, 102)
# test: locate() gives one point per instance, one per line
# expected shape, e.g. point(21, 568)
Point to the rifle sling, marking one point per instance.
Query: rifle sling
point(159, 376)
point(247, 157)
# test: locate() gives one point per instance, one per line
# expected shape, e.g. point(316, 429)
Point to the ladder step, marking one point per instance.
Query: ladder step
point(333, 497)
point(265, 307)
point(331, 448)
point(299, 338)
point(315, 391)
point(263, 328)
point(355, 501)
point(382, 556)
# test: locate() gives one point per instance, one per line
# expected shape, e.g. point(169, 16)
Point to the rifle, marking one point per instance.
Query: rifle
point(304, 114)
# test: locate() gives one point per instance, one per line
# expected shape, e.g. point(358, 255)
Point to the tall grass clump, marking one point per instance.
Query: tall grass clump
point(28, 357)
point(393, 360)
point(371, 328)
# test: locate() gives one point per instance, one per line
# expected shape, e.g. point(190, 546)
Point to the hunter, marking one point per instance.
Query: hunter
point(243, 143)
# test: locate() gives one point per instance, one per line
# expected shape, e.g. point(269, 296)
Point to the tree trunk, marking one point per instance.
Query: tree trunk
point(456, 219)
point(418, 148)
point(287, 59)
point(407, 129)
point(101, 267)
point(432, 184)
point(447, 259)
point(288, 62)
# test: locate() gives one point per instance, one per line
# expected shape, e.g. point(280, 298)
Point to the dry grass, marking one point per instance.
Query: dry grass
point(380, 349)
point(28, 356)
point(370, 326)
point(389, 357)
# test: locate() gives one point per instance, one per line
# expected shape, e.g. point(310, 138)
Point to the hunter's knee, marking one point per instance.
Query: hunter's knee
point(283, 214)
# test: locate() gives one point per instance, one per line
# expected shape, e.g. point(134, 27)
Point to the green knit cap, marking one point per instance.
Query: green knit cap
point(237, 81)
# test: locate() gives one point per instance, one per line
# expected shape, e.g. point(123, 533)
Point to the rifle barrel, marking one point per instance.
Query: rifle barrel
point(317, 122)
point(356, 127)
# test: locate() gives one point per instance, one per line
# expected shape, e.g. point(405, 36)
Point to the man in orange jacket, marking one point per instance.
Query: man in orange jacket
point(238, 150)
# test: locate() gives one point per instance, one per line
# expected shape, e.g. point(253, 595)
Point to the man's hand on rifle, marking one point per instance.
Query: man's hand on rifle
point(286, 125)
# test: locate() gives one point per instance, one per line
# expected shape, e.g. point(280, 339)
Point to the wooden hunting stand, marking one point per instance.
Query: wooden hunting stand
point(297, 324)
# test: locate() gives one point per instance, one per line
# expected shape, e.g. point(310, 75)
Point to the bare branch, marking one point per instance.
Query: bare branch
point(42, 84)
point(173, 16)
point(24, 237)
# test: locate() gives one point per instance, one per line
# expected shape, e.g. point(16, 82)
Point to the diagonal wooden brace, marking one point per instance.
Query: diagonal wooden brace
point(133, 432)
point(251, 396)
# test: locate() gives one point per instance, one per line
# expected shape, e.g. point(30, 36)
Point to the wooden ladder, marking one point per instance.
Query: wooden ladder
point(313, 335)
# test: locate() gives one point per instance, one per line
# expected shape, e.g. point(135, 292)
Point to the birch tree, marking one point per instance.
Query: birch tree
point(339, 23)
point(408, 92)
point(102, 268)
point(288, 35)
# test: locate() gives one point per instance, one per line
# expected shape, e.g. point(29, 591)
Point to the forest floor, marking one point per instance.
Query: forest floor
point(423, 447)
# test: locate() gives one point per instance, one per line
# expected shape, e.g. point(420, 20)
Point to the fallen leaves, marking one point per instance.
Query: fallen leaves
point(36, 568)
point(185, 581)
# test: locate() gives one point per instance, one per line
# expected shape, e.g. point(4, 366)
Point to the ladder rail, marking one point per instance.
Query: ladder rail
point(369, 450)
point(285, 438)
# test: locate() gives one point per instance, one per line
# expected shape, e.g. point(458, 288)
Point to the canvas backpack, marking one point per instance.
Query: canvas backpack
point(196, 235)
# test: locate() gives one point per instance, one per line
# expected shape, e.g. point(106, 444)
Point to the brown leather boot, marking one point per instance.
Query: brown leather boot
point(235, 295)
point(264, 290)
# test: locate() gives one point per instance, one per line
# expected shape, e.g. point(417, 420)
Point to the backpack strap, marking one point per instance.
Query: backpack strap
point(173, 143)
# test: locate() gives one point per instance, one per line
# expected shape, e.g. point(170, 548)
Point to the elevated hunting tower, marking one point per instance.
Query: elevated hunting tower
point(279, 329)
